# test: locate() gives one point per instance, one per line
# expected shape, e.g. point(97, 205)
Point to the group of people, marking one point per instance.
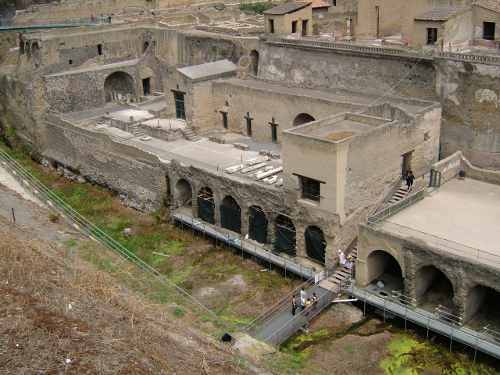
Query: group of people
point(345, 261)
point(304, 301)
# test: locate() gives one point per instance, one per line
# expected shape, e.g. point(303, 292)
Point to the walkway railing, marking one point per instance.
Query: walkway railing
point(396, 207)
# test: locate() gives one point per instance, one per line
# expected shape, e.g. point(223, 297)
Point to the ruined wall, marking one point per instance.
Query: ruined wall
point(470, 97)
point(124, 169)
point(377, 74)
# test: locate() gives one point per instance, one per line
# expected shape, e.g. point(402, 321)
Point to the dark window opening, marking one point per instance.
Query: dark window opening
point(304, 27)
point(271, 26)
point(274, 130)
point(70, 62)
point(377, 15)
point(489, 30)
point(146, 86)
point(294, 27)
point(249, 124)
point(180, 111)
point(145, 48)
point(99, 49)
point(432, 35)
point(310, 188)
point(334, 3)
point(224, 120)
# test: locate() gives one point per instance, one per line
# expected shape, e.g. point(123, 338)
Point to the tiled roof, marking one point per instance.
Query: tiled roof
point(438, 14)
point(493, 5)
point(286, 8)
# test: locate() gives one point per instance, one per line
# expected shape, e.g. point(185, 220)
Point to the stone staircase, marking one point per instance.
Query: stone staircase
point(342, 276)
point(400, 194)
point(189, 134)
point(136, 130)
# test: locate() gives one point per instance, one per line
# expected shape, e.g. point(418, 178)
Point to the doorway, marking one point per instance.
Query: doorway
point(304, 27)
point(146, 86)
point(406, 163)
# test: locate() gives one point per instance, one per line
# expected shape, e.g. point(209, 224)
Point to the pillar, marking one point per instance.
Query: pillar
point(300, 240)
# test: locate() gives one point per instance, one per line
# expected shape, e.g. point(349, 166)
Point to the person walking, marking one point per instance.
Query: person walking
point(294, 305)
point(303, 298)
point(409, 179)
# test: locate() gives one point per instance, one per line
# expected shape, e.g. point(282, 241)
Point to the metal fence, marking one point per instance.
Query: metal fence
point(396, 207)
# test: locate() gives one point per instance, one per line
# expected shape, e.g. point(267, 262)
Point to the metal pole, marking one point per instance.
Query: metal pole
point(13, 216)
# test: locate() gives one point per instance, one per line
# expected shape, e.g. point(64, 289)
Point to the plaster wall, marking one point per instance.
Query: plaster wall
point(283, 23)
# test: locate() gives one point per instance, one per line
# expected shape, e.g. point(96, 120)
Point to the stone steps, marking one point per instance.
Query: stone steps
point(190, 134)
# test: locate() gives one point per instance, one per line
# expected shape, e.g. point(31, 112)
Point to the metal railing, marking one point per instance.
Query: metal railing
point(396, 207)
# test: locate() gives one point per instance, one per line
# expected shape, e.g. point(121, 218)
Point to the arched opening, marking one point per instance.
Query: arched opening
point(118, 86)
point(302, 118)
point(433, 289)
point(382, 266)
point(284, 241)
point(206, 205)
point(257, 224)
point(230, 214)
point(145, 46)
point(315, 244)
point(183, 193)
point(481, 308)
point(254, 64)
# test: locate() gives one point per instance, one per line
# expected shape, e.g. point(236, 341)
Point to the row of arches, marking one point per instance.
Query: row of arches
point(284, 232)
point(433, 288)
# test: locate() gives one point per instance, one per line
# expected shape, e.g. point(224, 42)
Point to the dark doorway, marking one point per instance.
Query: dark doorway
point(180, 111)
point(225, 123)
point(294, 27)
point(433, 289)
point(406, 163)
point(257, 226)
point(382, 266)
point(481, 308)
point(489, 30)
point(146, 86)
point(254, 57)
point(145, 47)
point(284, 241)
point(99, 49)
point(315, 244)
point(271, 26)
point(304, 27)
point(206, 205)
point(274, 130)
point(230, 214)
point(302, 118)
point(432, 35)
point(249, 124)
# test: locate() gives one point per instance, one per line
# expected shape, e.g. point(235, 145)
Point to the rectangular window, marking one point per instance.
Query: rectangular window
point(99, 49)
point(146, 86)
point(294, 27)
point(274, 133)
point(180, 111)
point(334, 3)
point(224, 120)
point(432, 35)
point(249, 124)
point(271, 26)
point(310, 188)
point(489, 30)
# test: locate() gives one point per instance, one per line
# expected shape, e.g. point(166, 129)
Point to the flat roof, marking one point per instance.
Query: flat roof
point(439, 14)
point(208, 70)
point(286, 8)
point(460, 216)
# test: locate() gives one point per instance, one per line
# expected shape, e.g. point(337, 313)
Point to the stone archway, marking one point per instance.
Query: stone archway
point(482, 305)
point(257, 224)
point(119, 86)
point(206, 205)
point(315, 244)
point(183, 193)
point(433, 288)
point(230, 214)
point(302, 118)
point(285, 235)
point(382, 266)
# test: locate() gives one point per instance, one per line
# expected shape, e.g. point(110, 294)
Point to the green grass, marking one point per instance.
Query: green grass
point(258, 8)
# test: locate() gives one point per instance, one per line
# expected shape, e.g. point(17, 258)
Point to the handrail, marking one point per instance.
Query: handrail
point(396, 207)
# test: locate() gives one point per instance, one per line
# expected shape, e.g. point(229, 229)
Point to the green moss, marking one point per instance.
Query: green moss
point(258, 8)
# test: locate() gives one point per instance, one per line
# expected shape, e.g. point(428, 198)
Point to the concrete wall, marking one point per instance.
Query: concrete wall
point(283, 23)
point(367, 73)
point(124, 169)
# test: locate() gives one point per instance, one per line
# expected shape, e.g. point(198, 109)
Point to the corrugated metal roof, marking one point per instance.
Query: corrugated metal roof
point(438, 14)
point(208, 70)
point(286, 8)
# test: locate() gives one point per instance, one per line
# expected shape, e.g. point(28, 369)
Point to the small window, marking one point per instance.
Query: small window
point(310, 188)
point(432, 35)
point(145, 47)
point(294, 27)
point(334, 3)
point(271, 26)
point(70, 62)
point(427, 136)
point(99, 49)
point(489, 30)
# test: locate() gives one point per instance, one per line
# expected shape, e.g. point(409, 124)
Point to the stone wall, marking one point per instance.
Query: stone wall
point(124, 169)
point(449, 167)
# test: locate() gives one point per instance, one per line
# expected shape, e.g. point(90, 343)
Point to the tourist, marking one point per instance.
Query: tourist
point(342, 259)
point(315, 299)
point(303, 298)
point(294, 305)
point(409, 179)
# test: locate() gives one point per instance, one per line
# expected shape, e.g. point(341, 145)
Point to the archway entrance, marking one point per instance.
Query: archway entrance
point(302, 118)
point(183, 193)
point(382, 266)
point(118, 86)
point(433, 289)
point(230, 214)
point(315, 244)
point(257, 224)
point(481, 308)
point(285, 234)
point(206, 205)
point(254, 62)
